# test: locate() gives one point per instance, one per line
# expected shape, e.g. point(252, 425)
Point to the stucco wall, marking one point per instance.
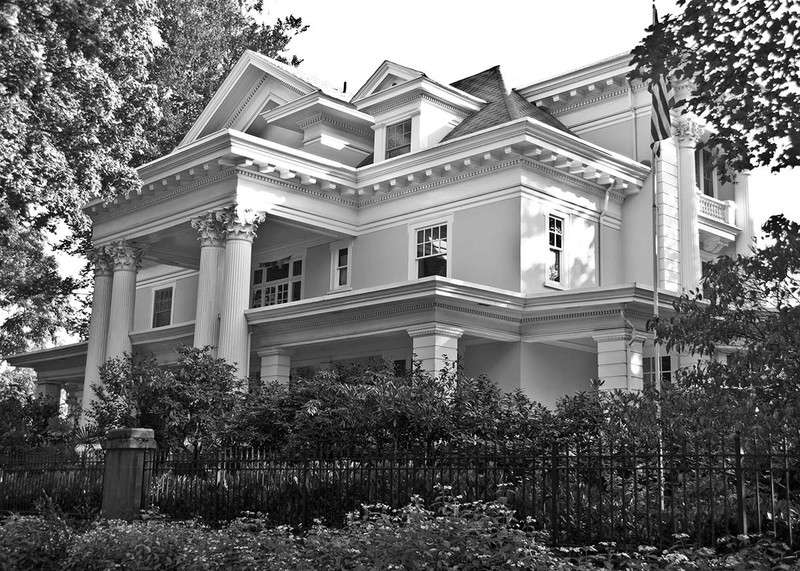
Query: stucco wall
point(318, 271)
point(184, 301)
point(549, 372)
point(497, 360)
point(485, 244)
point(380, 257)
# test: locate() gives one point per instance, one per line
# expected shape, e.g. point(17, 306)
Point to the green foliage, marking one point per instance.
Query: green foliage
point(88, 91)
point(749, 309)
point(743, 60)
point(190, 405)
point(450, 535)
point(30, 542)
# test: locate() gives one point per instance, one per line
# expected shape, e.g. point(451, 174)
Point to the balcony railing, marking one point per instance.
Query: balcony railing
point(718, 210)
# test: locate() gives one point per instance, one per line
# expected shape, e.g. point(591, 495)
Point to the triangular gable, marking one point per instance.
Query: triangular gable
point(255, 84)
point(387, 75)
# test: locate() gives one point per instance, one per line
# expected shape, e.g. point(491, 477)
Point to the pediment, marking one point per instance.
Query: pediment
point(255, 84)
point(388, 75)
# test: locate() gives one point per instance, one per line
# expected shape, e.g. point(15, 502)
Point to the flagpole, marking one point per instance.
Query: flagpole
point(656, 244)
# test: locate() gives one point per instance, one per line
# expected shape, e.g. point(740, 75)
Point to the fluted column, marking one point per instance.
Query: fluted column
point(689, 133)
point(127, 258)
point(744, 216)
point(98, 326)
point(211, 234)
point(240, 231)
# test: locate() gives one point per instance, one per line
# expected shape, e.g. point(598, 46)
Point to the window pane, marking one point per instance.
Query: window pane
point(278, 272)
point(296, 289)
point(554, 269)
point(342, 257)
point(433, 266)
point(258, 277)
point(342, 276)
point(162, 307)
point(256, 301)
point(297, 268)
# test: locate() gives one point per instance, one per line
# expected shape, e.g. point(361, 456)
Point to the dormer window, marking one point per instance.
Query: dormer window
point(398, 139)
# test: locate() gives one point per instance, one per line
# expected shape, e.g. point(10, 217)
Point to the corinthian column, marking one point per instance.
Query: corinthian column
point(689, 133)
point(744, 215)
point(240, 231)
point(211, 234)
point(98, 326)
point(127, 258)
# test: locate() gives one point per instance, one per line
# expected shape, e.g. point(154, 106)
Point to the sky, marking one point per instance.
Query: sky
point(530, 40)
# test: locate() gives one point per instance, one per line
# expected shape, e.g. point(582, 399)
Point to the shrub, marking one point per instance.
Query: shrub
point(34, 542)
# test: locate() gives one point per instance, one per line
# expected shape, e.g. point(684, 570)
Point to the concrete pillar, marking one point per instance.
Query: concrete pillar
point(127, 258)
point(124, 482)
point(435, 345)
point(275, 365)
point(98, 326)
point(619, 360)
point(744, 216)
point(233, 338)
point(689, 133)
point(211, 230)
point(49, 389)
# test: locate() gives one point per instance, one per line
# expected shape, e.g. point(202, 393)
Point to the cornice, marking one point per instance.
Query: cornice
point(321, 118)
point(164, 195)
point(246, 101)
point(411, 97)
point(592, 100)
point(295, 187)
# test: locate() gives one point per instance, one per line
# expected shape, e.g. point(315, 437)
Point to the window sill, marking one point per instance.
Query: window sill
point(341, 289)
point(555, 285)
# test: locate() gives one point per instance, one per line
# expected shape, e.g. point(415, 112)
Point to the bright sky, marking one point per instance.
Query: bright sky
point(450, 39)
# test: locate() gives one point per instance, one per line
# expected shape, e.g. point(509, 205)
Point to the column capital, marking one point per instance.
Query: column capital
point(627, 336)
point(434, 329)
point(102, 258)
point(211, 228)
point(127, 255)
point(689, 130)
point(241, 224)
point(275, 352)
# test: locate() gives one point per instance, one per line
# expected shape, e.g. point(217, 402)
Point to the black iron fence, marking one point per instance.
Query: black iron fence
point(72, 480)
point(580, 495)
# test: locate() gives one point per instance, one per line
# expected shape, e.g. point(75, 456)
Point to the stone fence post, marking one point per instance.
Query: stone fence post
point(124, 483)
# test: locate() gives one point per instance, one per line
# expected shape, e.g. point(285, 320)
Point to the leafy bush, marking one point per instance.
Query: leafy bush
point(34, 542)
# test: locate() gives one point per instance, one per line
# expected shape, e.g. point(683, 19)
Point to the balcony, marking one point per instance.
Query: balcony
point(717, 223)
point(717, 210)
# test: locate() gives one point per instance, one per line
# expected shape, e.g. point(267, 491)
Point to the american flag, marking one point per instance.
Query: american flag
point(663, 101)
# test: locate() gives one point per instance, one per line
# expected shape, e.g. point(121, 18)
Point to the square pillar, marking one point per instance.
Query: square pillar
point(619, 360)
point(435, 345)
point(124, 481)
point(275, 365)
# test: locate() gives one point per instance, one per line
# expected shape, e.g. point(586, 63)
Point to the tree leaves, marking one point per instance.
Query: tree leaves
point(743, 58)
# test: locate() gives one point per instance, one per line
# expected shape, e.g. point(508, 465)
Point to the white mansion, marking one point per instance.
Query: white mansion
point(296, 226)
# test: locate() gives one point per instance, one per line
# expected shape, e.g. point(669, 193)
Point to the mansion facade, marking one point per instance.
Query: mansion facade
point(296, 227)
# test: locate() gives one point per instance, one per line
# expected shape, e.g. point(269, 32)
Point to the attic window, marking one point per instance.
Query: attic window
point(398, 139)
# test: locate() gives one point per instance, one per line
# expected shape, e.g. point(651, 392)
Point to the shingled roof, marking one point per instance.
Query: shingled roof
point(501, 106)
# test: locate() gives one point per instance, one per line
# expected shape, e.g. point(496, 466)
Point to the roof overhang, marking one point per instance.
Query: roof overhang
point(445, 94)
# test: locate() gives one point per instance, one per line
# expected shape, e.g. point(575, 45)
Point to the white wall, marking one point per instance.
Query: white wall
point(499, 361)
point(549, 372)
point(380, 257)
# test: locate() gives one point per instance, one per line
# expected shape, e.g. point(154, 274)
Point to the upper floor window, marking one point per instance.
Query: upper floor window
point(431, 255)
point(705, 171)
point(276, 282)
point(555, 240)
point(341, 264)
point(162, 307)
point(398, 139)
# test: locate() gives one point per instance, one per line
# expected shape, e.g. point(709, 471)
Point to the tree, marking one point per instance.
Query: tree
point(749, 307)
point(192, 404)
point(88, 91)
point(743, 58)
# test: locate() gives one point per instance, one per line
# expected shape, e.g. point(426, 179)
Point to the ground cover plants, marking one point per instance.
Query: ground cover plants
point(449, 535)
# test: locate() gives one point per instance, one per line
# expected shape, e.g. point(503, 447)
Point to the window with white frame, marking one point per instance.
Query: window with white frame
point(398, 139)
point(276, 282)
point(431, 251)
point(705, 171)
point(162, 307)
point(341, 264)
point(555, 241)
point(649, 370)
